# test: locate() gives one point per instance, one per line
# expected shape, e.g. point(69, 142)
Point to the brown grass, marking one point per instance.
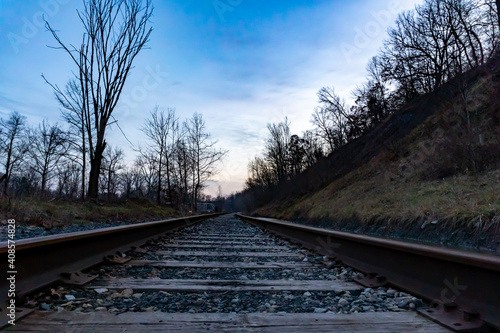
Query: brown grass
point(470, 197)
point(57, 213)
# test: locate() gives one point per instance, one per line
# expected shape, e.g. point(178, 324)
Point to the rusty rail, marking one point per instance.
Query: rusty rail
point(463, 288)
point(42, 261)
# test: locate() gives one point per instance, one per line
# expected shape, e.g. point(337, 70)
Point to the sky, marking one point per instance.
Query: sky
point(240, 63)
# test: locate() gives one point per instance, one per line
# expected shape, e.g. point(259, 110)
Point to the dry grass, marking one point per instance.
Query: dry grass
point(470, 197)
point(56, 213)
point(465, 208)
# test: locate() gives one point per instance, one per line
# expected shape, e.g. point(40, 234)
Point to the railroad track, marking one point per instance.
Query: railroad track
point(224, 275)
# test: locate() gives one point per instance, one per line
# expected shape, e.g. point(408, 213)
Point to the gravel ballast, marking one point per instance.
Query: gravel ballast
point(85, 299)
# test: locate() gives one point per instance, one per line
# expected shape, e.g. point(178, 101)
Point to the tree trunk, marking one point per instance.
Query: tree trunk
point(109, 183)
point(83, 180)
point(84, 161)
point(158, 189)
point(8, 166)
point(6, 183)
point(169, 187)
point(7, 180)
point(95, 169)
point(44, 182)
point(185, 170)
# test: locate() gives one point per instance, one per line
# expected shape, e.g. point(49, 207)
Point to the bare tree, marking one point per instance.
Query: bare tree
point(437, 41)
point(183, 166)
point(425, 36)
point(159, 129)
point(74, 114)
point(313, 148)
point(115, 32)
point(284, 156)
point(260, 174)
point(147, 169)
point(48, 146)
point(130, 181)
point(331, 118)
point(113, 162)
point(296, 154)
point(68, 178)
point(372, 97)
point(14, 144)
point(277, 149)
point(325, 127)
point(202, 153)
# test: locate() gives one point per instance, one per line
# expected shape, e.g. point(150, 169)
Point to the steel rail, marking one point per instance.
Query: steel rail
point(463, 287)
point(40, 261)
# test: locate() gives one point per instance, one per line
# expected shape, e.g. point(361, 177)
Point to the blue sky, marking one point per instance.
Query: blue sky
point(241, 63)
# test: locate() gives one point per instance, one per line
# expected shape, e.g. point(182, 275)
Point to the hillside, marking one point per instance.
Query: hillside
point(431, 171)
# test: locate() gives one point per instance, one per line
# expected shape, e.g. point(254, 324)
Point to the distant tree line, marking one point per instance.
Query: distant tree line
point(179, 159)
point(46, 161)
point(427, 47)
point(285, 155)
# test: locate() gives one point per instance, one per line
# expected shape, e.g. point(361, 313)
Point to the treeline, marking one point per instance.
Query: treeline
point(426, 47)
point(285, 155)
point(49, 161)
point(76, 161)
